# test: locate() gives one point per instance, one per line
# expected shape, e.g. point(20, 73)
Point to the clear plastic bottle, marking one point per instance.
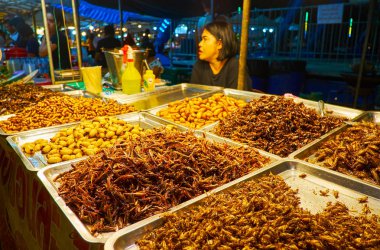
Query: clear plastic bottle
point(149, 78)
point(131, 78)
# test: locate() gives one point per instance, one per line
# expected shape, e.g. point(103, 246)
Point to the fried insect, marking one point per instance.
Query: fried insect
point(276, 124)
point(355, 152)
point(58, 110)
point(263, 214)
point(148, 175)
point(15, 97)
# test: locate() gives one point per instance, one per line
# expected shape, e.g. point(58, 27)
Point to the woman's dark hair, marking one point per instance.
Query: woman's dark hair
point(24, 30)
point(58, 16)
point(223, 31)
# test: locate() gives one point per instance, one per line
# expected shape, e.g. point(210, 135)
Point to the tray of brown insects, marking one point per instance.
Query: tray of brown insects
point(275, 199)
point(353, 149)
point(160, 171)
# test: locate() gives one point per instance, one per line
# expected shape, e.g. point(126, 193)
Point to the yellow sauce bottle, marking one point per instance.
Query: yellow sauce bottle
point(149, 80)
point(131, 78)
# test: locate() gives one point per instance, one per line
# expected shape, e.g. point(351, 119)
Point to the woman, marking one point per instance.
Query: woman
point(217, 64)
point(58, 39)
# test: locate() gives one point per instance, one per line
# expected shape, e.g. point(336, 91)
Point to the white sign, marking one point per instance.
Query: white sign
point(330, 13)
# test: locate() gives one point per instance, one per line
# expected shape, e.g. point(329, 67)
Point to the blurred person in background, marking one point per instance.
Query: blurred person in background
point(147, 44)
point(109, 42)
point(90, 44)
point(13, 34)
point(25, 38)
point(217, 64)
point(129, 40)
point(58, 40)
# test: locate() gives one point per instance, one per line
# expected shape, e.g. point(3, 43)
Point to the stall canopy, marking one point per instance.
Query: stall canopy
point(170, 8)
point(107, 15)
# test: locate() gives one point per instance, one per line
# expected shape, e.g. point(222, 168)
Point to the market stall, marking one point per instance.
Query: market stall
point(47, 200)
point(80, 171)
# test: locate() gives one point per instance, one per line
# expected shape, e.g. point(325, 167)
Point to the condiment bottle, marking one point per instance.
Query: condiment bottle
point(149, 78)
point(131, 78)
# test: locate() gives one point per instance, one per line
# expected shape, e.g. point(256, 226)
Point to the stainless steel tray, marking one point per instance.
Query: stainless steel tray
point(369, 116)
point(237, 94)
point(58, 87)
point(68, 90)
point(73, 93)
point(38, 161)
point(309, 150)
point(332, 110)
point(48, 174)
point(161, 96)
point(308, 190)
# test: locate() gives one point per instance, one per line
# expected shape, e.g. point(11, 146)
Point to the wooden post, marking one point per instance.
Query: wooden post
point(243, 44)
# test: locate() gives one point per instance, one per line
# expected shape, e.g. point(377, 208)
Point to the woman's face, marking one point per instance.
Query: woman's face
point(209, 47)
point(51, 23)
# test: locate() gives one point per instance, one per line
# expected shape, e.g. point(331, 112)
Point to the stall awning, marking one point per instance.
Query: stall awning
point(107, 15)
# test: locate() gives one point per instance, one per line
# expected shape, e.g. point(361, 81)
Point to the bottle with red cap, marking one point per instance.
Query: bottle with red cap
point(131, 78)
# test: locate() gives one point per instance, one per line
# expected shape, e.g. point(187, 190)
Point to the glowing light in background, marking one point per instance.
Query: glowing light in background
point(306, 21)
point(350, 28)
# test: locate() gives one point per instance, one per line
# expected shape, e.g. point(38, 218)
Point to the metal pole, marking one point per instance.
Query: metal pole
point(47, 37)
point(34, 22)
point(171, 42)
point(243, 44)
point(78, 35)
point(212, 10)
point(121, 20)
point(371, 6)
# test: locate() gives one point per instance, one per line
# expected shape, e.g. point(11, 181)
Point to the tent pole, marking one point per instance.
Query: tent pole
point(371, 6)
point(34, 22)
point(121, 20)
point(78, 39)
point(212, 10)
point(243, 44)
point(47, 37)
point(171, 42)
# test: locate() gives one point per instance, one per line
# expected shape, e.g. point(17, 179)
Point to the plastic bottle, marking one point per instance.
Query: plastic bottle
point(131, 78)
point(149, 80)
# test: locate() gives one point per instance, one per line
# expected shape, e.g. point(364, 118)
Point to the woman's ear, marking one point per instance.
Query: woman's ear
point(219, 44)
